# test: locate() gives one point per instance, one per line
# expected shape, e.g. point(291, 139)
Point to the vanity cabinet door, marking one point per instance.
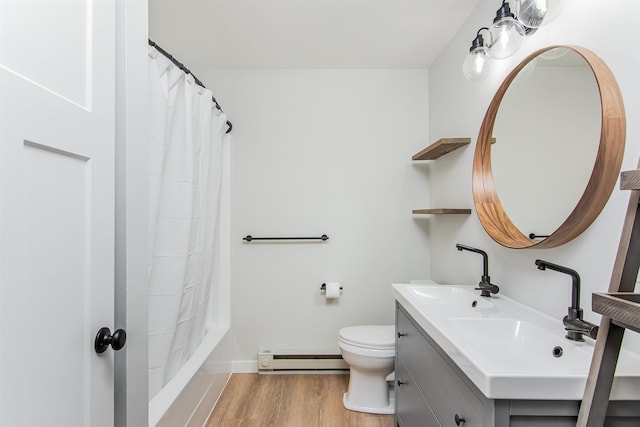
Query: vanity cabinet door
point(412, 409)
point(447, 394)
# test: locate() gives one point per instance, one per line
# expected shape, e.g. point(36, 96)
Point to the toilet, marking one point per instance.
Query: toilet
point(370, 352)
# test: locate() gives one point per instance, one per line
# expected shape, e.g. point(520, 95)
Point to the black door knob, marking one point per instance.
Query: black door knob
point(104, 339)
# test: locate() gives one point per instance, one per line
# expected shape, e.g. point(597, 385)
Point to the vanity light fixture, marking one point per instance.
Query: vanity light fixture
point(535, 13)
point(475, 61)
point(507, 32)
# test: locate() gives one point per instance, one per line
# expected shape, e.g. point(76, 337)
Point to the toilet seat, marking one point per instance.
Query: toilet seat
point(373, 337)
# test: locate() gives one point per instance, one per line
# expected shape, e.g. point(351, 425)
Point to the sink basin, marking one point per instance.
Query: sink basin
point(507, 349)
point(493, 340)
point(447, 298)
point(500, 330)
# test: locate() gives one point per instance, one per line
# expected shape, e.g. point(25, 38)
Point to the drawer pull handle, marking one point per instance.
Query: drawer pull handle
point(401, 383)
point(459, 420)
point(400, 335)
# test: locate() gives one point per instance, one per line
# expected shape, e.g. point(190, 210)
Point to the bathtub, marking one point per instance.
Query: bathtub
point(188, 399)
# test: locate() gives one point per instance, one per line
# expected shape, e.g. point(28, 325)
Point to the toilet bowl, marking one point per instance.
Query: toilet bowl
point(370, 352)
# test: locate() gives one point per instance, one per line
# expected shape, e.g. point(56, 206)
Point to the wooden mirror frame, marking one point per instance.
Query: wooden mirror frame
point(605, 172)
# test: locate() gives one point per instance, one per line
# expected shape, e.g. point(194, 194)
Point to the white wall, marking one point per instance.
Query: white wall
point(322, 152)
point(457, 107)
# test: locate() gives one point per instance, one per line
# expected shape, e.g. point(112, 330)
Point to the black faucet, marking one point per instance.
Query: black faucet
point(575, 326)
point(485, 286)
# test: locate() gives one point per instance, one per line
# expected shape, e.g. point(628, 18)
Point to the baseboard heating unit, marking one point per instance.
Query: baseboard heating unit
point(301, 362)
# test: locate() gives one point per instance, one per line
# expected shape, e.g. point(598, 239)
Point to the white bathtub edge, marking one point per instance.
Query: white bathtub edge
point(162, 401)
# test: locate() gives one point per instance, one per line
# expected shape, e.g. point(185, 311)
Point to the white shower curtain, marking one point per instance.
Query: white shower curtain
point(185, 174)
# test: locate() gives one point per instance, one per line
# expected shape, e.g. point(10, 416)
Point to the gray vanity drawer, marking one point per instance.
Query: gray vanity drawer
point(446, 392)
point(412, 410)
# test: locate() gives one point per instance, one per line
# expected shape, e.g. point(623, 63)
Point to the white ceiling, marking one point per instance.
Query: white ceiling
point(306, 33)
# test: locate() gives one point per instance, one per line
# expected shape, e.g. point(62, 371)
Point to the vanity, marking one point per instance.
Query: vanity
point(465, 360)
point(468, 360)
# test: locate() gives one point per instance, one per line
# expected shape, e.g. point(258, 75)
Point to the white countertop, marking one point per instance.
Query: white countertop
point(506, 348)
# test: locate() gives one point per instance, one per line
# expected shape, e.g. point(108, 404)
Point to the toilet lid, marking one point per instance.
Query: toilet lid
point(370, 336)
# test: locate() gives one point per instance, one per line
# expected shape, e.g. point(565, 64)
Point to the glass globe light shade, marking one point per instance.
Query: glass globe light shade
point(506, 38)
point(535, 13)
point(474, 63)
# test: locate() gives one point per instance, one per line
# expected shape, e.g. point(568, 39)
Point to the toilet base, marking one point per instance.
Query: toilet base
point(389, 409)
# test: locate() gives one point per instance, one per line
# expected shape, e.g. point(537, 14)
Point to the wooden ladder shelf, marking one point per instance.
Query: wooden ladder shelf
point(620, 309)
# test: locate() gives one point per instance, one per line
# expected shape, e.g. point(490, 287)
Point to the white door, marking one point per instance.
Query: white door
point(56, 211)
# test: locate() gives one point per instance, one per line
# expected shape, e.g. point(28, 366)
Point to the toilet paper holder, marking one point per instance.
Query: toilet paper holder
point(324, 287)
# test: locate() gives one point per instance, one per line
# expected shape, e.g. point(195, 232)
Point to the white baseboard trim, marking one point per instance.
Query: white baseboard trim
point(244, 366)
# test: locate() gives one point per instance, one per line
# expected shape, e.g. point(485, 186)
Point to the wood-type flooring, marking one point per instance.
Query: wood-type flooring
point(252, 400)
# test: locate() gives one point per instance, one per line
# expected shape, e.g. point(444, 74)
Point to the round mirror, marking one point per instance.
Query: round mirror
point(559, 128)
point(549, 119)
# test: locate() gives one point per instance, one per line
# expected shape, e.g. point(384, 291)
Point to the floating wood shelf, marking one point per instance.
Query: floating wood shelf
point(442, 211)
point(432, 152)
point(440, 148)
point(622, 307)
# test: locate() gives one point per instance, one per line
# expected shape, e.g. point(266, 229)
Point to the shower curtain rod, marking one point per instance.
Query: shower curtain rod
point(187, 71)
